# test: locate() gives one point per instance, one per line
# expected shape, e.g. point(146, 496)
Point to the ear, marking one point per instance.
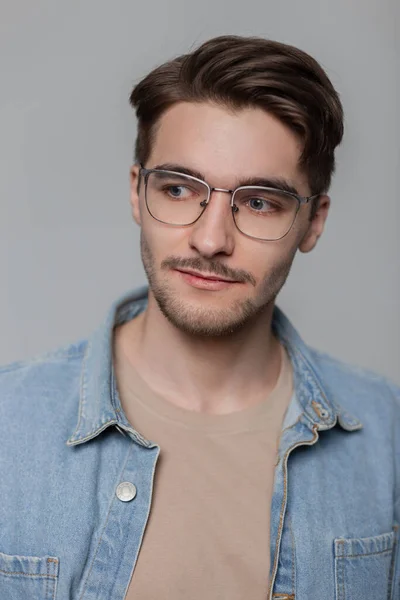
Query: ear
point(316, 226)
point(134, 194)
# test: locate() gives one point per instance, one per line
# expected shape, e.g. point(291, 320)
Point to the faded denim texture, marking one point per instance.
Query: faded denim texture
point(65, 445)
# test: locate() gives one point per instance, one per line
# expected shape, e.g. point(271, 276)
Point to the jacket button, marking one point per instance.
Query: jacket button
point(126, 491)
point(324, 413)
point(321, 412)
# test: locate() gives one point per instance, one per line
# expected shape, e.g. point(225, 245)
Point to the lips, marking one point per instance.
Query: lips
point(206, 277)
point(210, 283)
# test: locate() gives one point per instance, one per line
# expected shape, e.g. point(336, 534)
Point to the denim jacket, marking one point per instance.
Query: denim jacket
point(68, 533)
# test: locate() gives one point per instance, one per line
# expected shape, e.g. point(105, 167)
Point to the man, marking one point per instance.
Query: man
point(194, 446)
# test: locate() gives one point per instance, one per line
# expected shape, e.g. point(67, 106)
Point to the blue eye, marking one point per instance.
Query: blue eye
point(256, 203)
point(175, 190)
point(261, 205)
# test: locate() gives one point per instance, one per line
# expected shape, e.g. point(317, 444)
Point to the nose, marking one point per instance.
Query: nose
point(214, 232)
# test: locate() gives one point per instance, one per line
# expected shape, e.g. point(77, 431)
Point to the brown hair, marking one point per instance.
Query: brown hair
point(240, 72)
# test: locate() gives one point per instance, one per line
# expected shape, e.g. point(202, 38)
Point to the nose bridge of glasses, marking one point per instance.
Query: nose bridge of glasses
point(223, 190)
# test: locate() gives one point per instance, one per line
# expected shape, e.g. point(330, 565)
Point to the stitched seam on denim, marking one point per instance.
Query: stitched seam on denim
point(364, 554)
point(342, 575)
point(42, 575)
point(81, 388)
point(299, 355)
point(113, 389)
point(55, 580)
point(53, 563)
point(293, 555)
point(106, 521)
point(393, 563)
point(47, 580)
point(99, 429)
point(284, 466)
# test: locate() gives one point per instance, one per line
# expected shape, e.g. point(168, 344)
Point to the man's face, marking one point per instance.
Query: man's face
point(225, 147)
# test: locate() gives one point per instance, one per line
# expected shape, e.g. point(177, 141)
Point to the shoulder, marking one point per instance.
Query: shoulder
point(39, 402)
point(351, 384)
point(49, 371)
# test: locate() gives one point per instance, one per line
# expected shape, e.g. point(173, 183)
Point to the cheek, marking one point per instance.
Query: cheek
point(264, 258)
point(163, 240)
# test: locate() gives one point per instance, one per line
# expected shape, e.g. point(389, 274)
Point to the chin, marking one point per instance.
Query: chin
point(202, 319)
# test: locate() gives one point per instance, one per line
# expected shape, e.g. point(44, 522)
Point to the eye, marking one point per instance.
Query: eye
point(257, 204)
point(260, 205)
point(264, 201)
point(176, 191)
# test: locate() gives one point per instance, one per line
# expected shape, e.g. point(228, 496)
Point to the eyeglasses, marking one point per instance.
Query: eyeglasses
point(262, 213)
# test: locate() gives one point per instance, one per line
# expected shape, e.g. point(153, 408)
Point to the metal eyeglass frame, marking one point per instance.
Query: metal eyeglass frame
point(300, 199)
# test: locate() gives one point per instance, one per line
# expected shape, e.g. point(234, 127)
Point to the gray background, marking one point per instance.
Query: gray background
point(68, 246)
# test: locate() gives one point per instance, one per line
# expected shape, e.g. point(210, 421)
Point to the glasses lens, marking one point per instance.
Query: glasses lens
point(264, 213)
point(174, 198)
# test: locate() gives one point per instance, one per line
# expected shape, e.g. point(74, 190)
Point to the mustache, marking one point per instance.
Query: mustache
point(213, 267)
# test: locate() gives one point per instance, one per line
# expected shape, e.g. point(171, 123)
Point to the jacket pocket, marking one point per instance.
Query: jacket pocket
point(23, 577)
point(363, 567)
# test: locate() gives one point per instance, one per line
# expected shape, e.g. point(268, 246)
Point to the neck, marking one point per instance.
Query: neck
point(213, 375)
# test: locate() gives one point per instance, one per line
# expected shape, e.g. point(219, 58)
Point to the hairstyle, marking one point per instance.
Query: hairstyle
point(241, 72)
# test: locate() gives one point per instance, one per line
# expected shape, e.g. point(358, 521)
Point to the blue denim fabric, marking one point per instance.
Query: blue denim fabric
point(65, 445)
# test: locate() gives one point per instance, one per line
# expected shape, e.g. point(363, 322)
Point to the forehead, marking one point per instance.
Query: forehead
point(227, 145)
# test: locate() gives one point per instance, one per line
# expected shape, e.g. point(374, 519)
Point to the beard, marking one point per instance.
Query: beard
point(206, 321)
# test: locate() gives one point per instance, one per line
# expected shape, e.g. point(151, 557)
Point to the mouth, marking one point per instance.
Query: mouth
point(207, 277)
point(205, 281)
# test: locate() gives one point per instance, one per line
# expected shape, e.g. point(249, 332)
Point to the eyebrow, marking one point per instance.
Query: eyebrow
point(279, 183)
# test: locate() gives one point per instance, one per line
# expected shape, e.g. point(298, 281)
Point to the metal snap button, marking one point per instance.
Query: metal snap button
point(126, 491)
point(324, 413)
point(321, 412)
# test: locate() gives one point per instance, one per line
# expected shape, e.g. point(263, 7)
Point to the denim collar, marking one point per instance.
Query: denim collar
point(99, 405)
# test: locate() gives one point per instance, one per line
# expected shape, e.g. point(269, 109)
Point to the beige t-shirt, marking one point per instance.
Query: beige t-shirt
point(208, 532)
